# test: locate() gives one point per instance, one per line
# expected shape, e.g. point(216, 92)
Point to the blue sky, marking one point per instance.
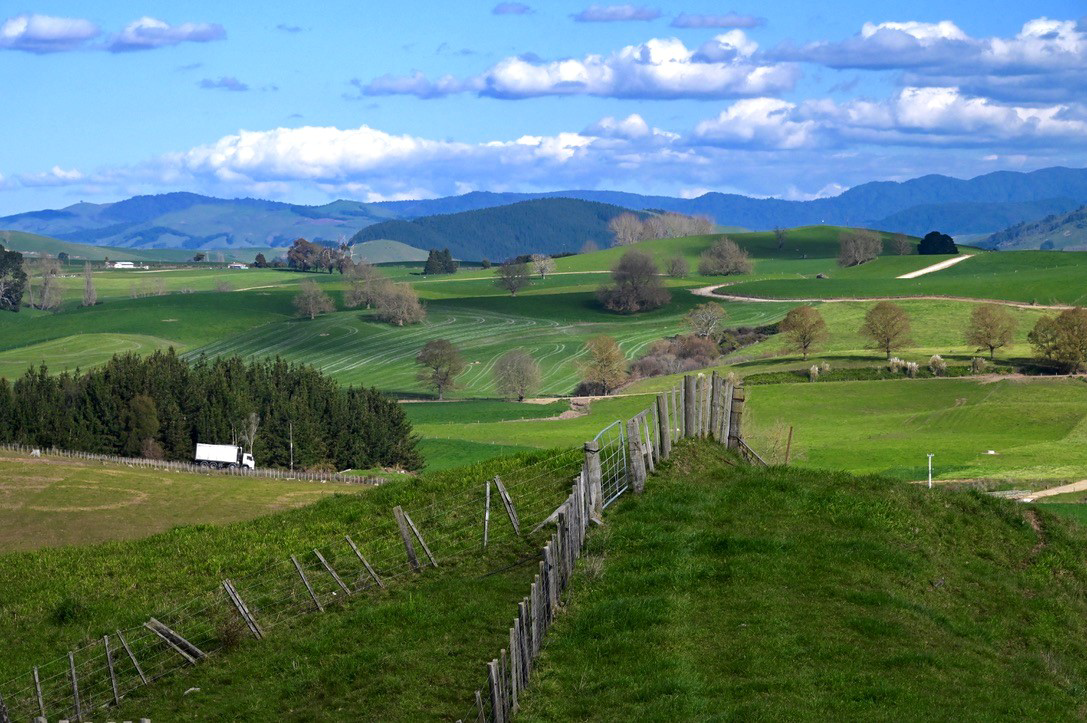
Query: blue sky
point(423, 98)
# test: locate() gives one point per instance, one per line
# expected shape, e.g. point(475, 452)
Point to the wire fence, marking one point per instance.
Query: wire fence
point(235, 471)
point(438, 530)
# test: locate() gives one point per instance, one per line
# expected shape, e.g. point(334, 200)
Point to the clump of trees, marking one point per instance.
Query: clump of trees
point(677, 267)
point(516, 374)
point(635, 285)
point(887, 327)
point(512, 276)
point(12, 280)
point(678, 355)
point(724, 258)
point(399, 305)
point(705, 320)
point(630, 228)
point(901, 244)
point(439, 262)
point(858, 247)
point(1062, 339)
point(260, 262)
point(441, 363)
point(312, 301)
point(935, 242)
point(804, 329)
point(162, 406)
point(305, 255)
point(991, 327)
point(605, 368)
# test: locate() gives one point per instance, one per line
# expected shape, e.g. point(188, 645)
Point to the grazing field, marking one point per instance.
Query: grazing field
point(740, 593)
point(1037, 427)
point(81, 351)
point(51, 502)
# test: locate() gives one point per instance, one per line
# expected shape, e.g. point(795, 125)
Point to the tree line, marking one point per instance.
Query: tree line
point(159, 406)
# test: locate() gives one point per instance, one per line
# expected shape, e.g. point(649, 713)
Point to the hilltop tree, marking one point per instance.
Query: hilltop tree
point(197, 257)
point(311, 301)
point(398, 304)
point(991, 326)
point(635, 287)
point(887, 325)
point(705, 319)
point(935, 242)
point(12, 280)
point(90, 294)
point(606, 367)
point(1062, 339)
point(859, 247)
point(724, 258)
point(677, 267)
point(543, 265)
point(512, 276)
point(804, 329)
point(442, 364)
point(516, 374)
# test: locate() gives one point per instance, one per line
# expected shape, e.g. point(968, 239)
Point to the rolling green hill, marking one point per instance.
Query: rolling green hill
point(1060, 232)
point(739, 593)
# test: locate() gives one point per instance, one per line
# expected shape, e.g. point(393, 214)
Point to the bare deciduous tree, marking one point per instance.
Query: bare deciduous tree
point(543, 264)
point(398, 304)
point(516, 374)
point(858, 247)
point(724, 258)
point(250, 427)
point(901, 244)
point(441, 364)
point(365, 284)
point(705, 319)
point(606, 367)
point(90, 294)
point(779, 236)
point(512, 276)
point(804, 329)
point(991, 327)
point(311, 301)
point(635, 286)
point(626, 228)
point(887, 325)
point(677, 267)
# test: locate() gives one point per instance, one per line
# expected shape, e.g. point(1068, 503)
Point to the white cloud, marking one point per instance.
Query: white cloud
point(1045, 60)
point(616, 13)
point(728, 20)
point(758, 123)
point(147, 33)
point(56, 176)
point(659, 68)
point(46, 33)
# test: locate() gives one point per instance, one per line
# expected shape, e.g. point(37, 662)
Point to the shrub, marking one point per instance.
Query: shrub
point(895, 365)
point(676, 355)
point(977, 366)
point(724, 258)
point(911, 369)
point(813, 373)
point(824, 367)
point(937, 365)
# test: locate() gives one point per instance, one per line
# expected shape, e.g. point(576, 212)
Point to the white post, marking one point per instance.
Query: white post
point(930, 471)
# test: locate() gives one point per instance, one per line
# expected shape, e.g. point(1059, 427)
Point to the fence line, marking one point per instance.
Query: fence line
point(141, 463)
point(709, 407)
point(95, 676)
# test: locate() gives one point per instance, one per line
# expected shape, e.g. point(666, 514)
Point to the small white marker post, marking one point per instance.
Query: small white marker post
point(930, 471)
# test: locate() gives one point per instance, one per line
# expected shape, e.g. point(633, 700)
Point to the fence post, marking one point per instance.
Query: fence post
point(362, 559)
point(405, 534)
point(736, 417)
point(112, 675)
point(75, 687)
point(689, 401)
point(715, 402)
point(38, 694)
point(664, 427)
point(487, 515)
point(309, 588)
point(637, 461)
point(594, 477)
point(4, 718)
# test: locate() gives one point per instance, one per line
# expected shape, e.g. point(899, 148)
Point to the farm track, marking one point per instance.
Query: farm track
point(710, 292)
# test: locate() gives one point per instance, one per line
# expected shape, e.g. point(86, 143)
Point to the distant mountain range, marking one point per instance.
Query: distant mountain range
point(981, 205)
point(1059, 232)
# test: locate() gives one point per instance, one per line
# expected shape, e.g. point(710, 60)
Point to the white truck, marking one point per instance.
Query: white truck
point(222, 456)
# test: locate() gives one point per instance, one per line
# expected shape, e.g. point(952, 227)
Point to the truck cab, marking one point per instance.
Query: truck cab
point(247, 461)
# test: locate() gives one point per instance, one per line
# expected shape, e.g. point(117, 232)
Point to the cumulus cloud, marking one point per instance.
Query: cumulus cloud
point(147, 33)
point(759, 123)
point(56, 176)
point(1045, 60)
point(226, 82)
point(511, 9)
point(723, 67)
point(615, 13)
point(728, 20)
point(46, 33)
point(631, 128)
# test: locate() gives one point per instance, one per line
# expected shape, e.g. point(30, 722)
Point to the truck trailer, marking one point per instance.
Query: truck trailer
point(222, 456)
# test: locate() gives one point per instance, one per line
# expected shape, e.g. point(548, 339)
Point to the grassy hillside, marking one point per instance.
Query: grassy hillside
point(34, 244)
point(742, 593)
point(1060, 231)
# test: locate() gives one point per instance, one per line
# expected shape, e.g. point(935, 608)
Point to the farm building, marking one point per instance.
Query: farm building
point(236, 266)
point(120, 264)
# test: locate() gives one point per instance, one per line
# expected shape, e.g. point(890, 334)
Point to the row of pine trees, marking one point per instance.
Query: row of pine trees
point(161, 406)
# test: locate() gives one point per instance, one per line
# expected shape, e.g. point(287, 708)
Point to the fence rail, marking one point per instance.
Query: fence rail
point(95, 676)
point(141, 463)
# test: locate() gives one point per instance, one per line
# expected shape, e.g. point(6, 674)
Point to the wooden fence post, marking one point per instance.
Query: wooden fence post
point(112, 675)
point(132, 657)
point(507, 502)
point(419, 537)
point(4, 717)
point(715, 401)
point(332, 572)
point(648, 442)
point(38, 693)
point(487, 515)
point(664, 427)
point(309, 588)
point(636, 461)
point(405, 535)
point(75, 686)
point(362, 559)
point(789, 445)
point(593, 477)
point(243, 610)
point(735, 433)
point(183, 647)
point(689, 401)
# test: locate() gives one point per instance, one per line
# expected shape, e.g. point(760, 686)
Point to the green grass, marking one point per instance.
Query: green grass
point(480, 410)
point(52, 502)
point(82, 351)
point(1037, 427)
point(728, 593)
point(412, 650)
